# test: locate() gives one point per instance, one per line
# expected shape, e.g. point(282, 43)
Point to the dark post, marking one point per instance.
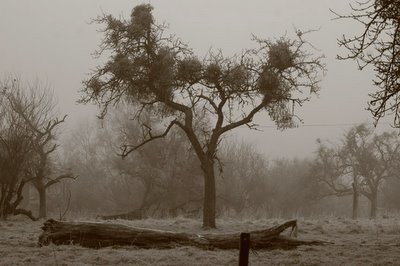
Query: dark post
point(244, 247)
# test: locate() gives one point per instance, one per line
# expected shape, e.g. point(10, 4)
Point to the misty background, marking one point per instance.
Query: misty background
point(54, 41)
point(266, 172)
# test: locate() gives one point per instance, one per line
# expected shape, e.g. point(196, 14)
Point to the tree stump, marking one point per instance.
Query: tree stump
point(98, 235)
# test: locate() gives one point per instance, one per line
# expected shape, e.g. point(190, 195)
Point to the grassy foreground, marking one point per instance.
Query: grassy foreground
point(362, 242)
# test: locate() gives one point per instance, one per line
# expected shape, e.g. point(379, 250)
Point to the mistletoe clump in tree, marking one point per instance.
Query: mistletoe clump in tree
point(204, 98)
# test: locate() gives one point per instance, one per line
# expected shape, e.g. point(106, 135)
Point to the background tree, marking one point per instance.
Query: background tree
point(361, 164)
point(91, 160)
point(290, 189)
point(163, 75)
point(243, 183)
point(378, 45)
point(383, 156)
point(166, 169)
point(36, 107)
point(15, 151)
point(30, 109)
point(390, 192)
point(335, 175)
point(156, 180)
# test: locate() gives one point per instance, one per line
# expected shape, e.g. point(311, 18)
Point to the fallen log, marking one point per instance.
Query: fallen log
point(98, 235)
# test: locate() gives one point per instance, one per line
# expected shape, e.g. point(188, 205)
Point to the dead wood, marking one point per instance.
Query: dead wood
point(26, 213)
point(98, 235)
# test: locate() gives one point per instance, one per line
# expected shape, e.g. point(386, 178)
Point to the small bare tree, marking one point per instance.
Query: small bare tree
point(334, 175)
point(35, 107)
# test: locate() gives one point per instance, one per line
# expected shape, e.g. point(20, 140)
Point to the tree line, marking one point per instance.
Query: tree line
point(163, 178)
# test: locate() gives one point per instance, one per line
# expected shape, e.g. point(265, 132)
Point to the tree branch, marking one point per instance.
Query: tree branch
point(59, 178)
point(246, 119)
point(127, 149)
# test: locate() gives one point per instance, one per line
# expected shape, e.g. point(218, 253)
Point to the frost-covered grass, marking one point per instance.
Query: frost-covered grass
point(362, 242)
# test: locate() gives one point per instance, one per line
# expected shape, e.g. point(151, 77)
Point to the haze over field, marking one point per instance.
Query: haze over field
point(225, 126)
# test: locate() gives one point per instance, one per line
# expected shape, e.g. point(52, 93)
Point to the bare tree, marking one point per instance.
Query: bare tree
point(334, 173)
point(243, 181)
point(166, 169)
point(15, 151)
point(289, 188)
point(159, 179)
point(35, 104)
point(378, 45)
point(374, 160)
point(205, 98)
point(360, 166)
point(90, 157)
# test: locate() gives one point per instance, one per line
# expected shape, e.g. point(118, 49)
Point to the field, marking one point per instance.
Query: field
point(362, 242)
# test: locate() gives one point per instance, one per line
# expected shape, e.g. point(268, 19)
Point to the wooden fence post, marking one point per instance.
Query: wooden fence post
point(244, 248)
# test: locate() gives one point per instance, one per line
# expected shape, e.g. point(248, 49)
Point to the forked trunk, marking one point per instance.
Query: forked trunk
point(209, 205)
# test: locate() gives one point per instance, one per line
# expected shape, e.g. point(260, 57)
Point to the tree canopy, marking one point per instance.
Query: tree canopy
point(204, 97)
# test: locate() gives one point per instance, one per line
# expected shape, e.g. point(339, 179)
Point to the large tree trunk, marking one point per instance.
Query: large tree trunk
point(3, 215)
point(355, 201)
point(209, 205)
point(97, 235)
point(374, 204)
point(42, 201)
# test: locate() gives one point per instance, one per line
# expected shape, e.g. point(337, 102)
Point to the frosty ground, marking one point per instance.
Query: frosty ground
point(361, 242)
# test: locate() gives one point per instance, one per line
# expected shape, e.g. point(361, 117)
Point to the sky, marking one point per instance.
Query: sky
point(54, 41)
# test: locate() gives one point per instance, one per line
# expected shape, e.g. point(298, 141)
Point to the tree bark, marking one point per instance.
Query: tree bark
point(98, 235)
point(3, 215)
point(355, 201)
point(42, 201)
point(209, 205)
point(374, 204)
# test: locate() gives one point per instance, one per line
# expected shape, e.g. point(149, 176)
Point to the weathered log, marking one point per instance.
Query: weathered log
point(98, 235)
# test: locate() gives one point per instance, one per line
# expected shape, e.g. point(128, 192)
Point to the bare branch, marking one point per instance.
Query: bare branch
point(127, 149)
point(59, 179)
point(378, 45)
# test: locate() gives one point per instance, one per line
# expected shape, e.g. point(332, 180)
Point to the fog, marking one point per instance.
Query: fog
point(188, 157)
point(54, 41)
